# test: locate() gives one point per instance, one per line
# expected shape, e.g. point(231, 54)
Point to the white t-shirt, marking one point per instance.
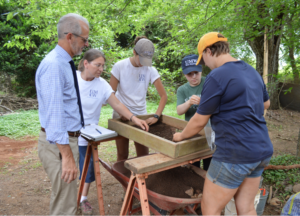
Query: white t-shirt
point(93, 95)
point(133, 84)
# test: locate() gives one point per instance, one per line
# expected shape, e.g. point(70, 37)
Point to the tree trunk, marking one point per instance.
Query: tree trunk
point(292, 38)
point(257, 46)
point(256, 42)
point(294, 66)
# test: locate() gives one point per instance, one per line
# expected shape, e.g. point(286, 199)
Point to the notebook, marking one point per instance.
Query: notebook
point(95, 132)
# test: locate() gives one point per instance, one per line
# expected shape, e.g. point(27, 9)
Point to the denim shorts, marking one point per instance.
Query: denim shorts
point(90, 177)
point(228, 175)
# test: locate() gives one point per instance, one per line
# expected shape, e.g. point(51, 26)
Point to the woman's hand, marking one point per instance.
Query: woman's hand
point(141, 123)
point(177, 137)
point(151, 120)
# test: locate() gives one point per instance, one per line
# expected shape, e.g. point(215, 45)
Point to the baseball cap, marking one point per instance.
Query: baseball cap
point(145, 49)
point(208, 40)
point(188, 64)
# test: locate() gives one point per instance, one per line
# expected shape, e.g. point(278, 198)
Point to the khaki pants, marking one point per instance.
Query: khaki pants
point(64, 196)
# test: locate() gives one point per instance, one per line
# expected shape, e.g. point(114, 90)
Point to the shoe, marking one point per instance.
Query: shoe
point(86, 208)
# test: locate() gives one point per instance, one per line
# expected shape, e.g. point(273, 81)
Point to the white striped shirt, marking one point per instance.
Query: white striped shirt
point(58, 108)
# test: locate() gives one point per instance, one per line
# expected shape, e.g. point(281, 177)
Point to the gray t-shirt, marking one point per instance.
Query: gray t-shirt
point(185, 92)
point(133, 84)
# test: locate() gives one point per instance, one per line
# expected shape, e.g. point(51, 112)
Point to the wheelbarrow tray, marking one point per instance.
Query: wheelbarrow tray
point(164, 146)
point(161, 201)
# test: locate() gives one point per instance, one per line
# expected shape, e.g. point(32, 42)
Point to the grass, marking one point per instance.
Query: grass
point(26, 123)
point(23, 123)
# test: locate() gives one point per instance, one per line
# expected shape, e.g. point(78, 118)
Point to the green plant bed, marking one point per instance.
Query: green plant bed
point(279, 179)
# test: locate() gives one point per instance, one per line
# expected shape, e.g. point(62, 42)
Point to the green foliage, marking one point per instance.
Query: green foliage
point(174, 26)
point(153, 96)
point(281, 178)
point(20, 61)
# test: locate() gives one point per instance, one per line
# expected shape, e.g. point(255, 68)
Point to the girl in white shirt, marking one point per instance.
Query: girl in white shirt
point(94, 92)
point(130, 78)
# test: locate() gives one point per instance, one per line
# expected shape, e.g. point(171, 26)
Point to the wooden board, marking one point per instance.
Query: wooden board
point(157, 143)
point(158, 161)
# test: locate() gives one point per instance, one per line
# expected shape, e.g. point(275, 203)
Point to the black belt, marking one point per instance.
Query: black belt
point(72, 134)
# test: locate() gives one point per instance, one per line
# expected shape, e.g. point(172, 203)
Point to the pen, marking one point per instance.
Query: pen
point(98, 131)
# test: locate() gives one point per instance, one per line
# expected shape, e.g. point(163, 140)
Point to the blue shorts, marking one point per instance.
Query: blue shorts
point(90, 177)
point(228, 175)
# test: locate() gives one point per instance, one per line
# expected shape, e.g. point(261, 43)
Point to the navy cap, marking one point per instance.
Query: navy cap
point(188, 64)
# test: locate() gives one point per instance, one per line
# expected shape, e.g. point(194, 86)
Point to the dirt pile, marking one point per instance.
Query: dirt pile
point(164, 131)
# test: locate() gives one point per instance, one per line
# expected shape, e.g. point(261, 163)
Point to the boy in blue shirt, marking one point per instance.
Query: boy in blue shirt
point(188, 95)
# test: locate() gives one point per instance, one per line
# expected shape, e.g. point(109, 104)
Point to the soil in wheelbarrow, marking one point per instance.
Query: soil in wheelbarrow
point(164, 131)
point(174, 182)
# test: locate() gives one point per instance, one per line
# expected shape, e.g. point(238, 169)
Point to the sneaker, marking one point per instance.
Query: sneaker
point(86, 208)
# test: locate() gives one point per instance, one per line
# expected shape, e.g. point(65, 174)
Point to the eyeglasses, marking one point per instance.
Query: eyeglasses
point(85, 40)
point(195, 73)
point(100, 66)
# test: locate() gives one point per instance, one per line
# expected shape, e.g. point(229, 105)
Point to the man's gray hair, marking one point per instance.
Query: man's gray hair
point(70, 23)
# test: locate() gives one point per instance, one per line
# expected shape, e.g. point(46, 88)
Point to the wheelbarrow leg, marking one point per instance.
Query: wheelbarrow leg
point(128, 195)
point(195, 206)
point(190, 210)
point(172, 212)
point(84, 173)
point(143, 194)
point(98, 179)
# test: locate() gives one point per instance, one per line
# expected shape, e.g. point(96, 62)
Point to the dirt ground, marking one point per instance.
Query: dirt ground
point(25, 188)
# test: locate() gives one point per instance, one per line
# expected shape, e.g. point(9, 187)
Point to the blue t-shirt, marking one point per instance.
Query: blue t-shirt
point(234, 94)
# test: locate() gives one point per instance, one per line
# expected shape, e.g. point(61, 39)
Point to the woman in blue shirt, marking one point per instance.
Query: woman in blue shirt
point(234, 98)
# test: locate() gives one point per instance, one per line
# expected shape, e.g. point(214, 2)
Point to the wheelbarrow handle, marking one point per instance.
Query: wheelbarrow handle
point(105, 165)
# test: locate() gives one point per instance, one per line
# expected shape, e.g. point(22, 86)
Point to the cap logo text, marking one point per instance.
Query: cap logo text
point(148, 53)
point(190, 62)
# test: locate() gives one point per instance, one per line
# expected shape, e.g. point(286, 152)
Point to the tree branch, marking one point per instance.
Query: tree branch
point(109, 5)
point(6, 108)
point(125, 7)
point(207, 9)
point(204, 22)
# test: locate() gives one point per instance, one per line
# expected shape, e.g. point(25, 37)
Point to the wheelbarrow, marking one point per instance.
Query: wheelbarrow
point(158, 204)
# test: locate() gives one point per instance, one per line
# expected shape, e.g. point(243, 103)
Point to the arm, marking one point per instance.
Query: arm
point(113, 82)
point(162, 103)
point(124, 112)
point(183, 108)
point(267, 104)
point(194, 126)
point(69, 169)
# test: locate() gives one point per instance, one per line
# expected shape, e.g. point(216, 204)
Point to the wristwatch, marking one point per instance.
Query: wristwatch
point(156, 116)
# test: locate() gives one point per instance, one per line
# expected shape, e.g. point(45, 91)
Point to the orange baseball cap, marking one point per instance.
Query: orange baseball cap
point(207, 40)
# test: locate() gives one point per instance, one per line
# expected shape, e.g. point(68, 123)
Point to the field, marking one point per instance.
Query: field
point(25, 188)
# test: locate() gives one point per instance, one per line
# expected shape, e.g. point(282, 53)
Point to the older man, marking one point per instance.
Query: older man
point(60, 112)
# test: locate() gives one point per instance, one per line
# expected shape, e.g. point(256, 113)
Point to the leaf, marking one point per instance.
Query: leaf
point(10, 16)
